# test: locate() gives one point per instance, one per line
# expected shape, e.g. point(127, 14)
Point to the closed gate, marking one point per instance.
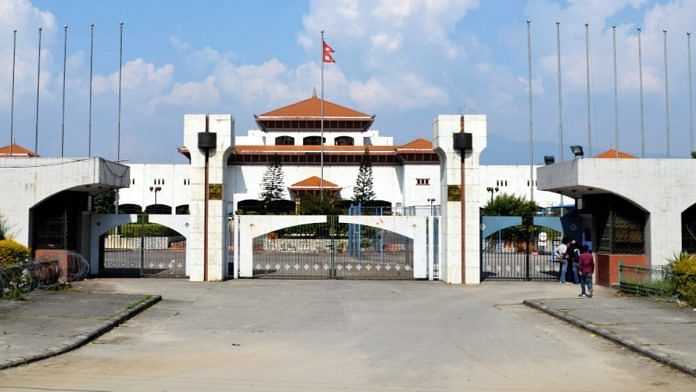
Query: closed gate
point(333, 250)
point(142, 249)
point(509, 252)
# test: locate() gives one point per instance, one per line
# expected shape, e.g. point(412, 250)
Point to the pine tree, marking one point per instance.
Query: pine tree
point(364, 189)
point(272, 182)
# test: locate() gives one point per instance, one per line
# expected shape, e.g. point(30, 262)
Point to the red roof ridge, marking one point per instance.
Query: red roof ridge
point(16, 150)
point(313, 182)
point(311, 107)
point(612, 153)
point(418, 144)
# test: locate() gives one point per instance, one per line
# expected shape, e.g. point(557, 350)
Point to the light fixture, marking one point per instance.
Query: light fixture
point(577, 151)
point(549, 160)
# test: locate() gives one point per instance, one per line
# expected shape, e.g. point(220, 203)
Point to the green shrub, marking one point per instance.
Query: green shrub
point(682, 269)
point(12, 252)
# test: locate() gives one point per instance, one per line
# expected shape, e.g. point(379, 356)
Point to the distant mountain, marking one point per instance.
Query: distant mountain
point(502, 151)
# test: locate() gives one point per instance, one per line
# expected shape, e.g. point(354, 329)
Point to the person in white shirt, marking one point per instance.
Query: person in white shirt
point(561, 253)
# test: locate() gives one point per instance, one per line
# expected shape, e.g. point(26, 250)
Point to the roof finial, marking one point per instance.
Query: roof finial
point(314, 92)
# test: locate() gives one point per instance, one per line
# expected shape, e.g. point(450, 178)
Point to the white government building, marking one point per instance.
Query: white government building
point(405, 176)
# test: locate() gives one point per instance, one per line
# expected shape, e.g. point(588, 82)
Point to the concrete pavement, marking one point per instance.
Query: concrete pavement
point(266, 335)
point(48, 323)
point(657, 329)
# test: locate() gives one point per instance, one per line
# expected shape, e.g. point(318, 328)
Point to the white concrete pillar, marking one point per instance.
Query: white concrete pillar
point(223, 126)
point(444, 127)
point(663, 234)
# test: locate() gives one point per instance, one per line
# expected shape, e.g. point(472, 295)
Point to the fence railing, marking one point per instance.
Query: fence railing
point(645, 280)
point(31, 274)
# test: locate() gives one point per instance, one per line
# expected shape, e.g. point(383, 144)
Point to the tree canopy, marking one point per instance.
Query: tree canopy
point(272, 182)
point(364, 185)
point(512, 205)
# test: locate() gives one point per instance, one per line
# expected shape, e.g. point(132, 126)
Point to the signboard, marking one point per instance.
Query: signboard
point(454, 192)
point(214, 191)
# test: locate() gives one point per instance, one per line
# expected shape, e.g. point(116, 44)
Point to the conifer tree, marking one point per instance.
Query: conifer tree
point(364, 188)
point(272, 182)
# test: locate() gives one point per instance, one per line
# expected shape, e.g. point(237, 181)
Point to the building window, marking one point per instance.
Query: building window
point(422, 181)
point(344, 141)
point(285, 141)
point(312, 141)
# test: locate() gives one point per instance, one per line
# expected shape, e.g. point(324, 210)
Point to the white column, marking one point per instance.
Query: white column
point(444, 127)
point(223, 126)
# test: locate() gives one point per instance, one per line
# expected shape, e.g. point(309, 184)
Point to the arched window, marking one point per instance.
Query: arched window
point(344, 141)
point(285, 141)
point(312, 141)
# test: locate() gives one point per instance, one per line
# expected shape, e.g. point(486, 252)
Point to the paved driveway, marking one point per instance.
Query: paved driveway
point(260, 335)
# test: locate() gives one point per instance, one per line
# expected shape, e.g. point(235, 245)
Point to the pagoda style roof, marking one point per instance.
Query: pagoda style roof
point(417, 144)
point(17, 151)
point(306, 115)
point(612, 153)
point(313, 183)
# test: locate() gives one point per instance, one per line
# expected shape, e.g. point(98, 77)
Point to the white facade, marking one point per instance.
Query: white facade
point(398, 184)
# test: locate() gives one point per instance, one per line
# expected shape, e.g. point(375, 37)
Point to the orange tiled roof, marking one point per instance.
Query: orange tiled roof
point(418, 144)
point(313, 182)
point(17, 150)
point(612, 153)
point(312, 108)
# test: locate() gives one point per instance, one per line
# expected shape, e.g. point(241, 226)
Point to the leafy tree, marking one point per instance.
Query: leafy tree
point(693, 154)
point(103, 203)
point(315, 205)
point(511, 205)
point(272, 182)
point(364, 187)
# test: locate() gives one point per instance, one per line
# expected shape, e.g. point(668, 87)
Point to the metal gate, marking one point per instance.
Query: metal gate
point(509, 252)
point(333, 250)
point(142, 249)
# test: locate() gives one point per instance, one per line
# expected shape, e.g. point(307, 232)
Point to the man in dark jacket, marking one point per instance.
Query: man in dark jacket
point(585, 270)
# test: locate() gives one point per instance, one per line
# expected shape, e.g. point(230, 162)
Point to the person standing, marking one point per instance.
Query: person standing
point(574, 260)
point(561, 253)
point(586, 270)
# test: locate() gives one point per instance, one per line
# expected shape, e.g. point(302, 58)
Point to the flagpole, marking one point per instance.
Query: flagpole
point(664, 35)
point(616, 96)
point(62, 122)
point(691, 96)
point(642, 108)
point(14, 56)
point(91, 68)
point(321, 154)
point(587, 66)
point(38, 84)
point(560, 92)
point(531, 126)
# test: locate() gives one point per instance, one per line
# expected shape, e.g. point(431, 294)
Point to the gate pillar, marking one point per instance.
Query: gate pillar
point(444, 128)
point(223, 126)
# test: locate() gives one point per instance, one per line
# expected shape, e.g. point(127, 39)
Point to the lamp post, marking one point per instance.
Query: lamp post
point(155, 189)
point(492, 190)
point(431, 201)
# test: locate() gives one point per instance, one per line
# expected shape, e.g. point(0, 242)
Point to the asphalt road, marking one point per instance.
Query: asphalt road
point(268, 335)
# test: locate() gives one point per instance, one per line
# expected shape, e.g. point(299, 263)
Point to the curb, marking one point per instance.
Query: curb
point(85, 338)
point(628, 343)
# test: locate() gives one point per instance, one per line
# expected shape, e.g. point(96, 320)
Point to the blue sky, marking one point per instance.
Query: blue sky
point(405, 61)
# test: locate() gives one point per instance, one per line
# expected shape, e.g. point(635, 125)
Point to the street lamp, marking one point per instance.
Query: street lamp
point(492, 190)
point(155, 189)
point(431, 201)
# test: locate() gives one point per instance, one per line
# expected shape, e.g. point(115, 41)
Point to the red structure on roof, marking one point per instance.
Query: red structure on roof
point(17, 151)
point(612, 153)
point(306, 115)
point(313, 183)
